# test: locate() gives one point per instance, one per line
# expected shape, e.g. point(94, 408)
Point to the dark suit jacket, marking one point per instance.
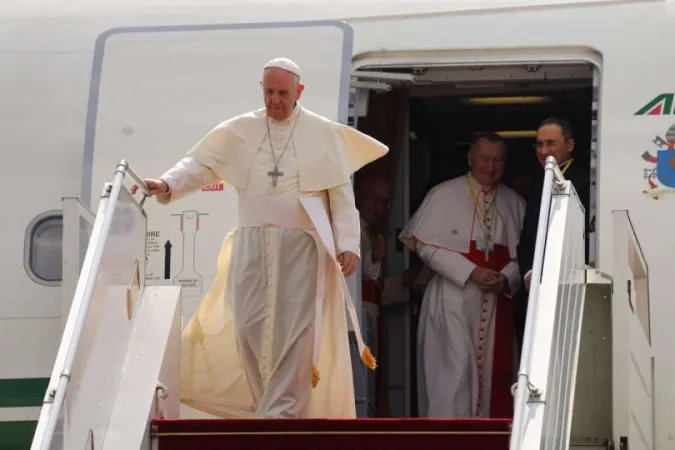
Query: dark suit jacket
point(578, 174)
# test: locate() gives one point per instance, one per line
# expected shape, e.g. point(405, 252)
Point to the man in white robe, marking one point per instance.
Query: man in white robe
point(466, 231)
point(270, 337)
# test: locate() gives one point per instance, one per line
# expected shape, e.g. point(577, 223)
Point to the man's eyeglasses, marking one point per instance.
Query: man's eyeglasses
point(545, 143)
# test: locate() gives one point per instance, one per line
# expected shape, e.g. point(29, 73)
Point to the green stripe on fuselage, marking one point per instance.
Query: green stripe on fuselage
point(22, 392)
point(17, 435)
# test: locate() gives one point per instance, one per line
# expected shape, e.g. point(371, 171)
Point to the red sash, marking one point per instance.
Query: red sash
point(501, 401)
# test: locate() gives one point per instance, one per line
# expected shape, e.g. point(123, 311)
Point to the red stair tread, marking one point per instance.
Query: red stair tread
point(330, 434)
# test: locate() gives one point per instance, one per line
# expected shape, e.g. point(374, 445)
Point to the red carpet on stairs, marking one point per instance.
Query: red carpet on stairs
point(326, 434)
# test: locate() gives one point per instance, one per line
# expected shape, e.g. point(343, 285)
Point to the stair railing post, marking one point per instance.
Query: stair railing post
point(77, 316)
point(524, 389)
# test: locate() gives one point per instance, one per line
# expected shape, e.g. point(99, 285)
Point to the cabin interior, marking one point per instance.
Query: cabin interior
point(428, 118)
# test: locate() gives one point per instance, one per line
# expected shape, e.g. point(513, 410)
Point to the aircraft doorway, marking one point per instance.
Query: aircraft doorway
point(429, 124)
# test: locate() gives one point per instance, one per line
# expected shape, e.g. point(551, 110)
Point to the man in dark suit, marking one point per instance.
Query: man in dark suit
point(555, 138)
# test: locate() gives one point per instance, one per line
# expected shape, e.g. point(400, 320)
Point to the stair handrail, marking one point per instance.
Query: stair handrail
point(552, 175)
point(84, 292)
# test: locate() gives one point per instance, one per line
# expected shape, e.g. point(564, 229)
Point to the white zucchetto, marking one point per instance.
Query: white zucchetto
point(284, 64)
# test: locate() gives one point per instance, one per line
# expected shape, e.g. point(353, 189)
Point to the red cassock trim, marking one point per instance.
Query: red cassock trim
point(501, 401)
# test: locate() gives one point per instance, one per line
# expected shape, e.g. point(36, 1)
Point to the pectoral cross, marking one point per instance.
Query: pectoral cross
point(486, 246)
point(274, 176)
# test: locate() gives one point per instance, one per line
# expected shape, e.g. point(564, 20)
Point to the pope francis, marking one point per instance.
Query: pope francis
point(270, 337)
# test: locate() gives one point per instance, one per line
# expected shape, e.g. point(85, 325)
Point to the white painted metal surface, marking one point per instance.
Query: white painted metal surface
point(153, 355)
point(546, 380)
point(592, 413)
point(78, 223)
point(567, 313)
point(46, 54)
point(98, 363)
point(82, 366)
point(73, 332)
point(309, 8)
point(634, 362)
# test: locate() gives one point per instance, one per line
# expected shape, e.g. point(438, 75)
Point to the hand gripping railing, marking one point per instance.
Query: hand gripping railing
point(70, 340)
point(552, 175)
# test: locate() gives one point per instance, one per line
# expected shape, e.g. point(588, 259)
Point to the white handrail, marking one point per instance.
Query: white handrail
point(552, 174)
point(139, 181)
point(70, 340)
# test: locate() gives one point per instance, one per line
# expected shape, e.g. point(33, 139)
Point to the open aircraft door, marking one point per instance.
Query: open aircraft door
point(633, 359)
point(156, 91)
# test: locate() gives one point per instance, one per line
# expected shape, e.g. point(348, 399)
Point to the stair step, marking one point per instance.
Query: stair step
point(333, 434)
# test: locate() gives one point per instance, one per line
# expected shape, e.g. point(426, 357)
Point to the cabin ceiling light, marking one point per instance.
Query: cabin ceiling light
point(517, 134)
point(523, 100)
point(370, 85)
point(386, 76)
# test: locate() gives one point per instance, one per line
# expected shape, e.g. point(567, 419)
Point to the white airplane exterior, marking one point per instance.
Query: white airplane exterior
point(84, 84)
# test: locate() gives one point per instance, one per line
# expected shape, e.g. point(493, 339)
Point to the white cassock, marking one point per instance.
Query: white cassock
point(463, 370)
point(270, 337)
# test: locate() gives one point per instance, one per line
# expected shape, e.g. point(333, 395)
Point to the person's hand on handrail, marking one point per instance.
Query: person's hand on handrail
point(154, 187)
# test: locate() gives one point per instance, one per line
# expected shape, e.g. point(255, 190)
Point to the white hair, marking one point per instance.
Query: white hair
point(490, 137)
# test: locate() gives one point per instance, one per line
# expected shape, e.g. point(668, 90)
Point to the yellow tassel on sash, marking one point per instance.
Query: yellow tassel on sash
point(315, 376)
point(368, 359)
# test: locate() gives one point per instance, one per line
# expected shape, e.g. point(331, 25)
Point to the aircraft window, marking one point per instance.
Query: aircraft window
point(43, 249)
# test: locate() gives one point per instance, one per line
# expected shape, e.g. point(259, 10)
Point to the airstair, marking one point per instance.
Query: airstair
point(115, 381)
